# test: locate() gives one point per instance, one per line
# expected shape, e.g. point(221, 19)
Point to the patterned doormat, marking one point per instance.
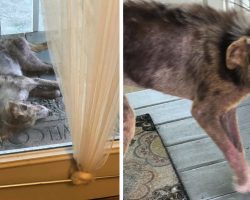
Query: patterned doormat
point(148, 173)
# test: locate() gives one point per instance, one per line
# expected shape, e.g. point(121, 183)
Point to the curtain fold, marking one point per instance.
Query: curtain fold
point(83, 39)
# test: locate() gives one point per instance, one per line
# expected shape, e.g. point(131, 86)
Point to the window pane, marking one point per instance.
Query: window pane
point(15, 16)
point(245, 3)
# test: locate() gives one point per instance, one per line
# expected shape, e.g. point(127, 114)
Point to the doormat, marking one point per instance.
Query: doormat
point(148, 173)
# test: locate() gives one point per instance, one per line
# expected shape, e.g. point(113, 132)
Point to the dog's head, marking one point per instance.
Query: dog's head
point(238, 57)
point(17, 116)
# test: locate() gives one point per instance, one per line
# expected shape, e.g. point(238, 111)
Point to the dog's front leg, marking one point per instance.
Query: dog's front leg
point(33, 65)
point(223, 129)
point(46, 94)
point(46, 84)
point(45, 89)
point(230, 125)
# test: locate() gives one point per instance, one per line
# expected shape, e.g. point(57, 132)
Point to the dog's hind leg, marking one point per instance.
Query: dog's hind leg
point(45, 89)
point(33, 65)
point(27, 59)
point(222, 128)
point(128, 124)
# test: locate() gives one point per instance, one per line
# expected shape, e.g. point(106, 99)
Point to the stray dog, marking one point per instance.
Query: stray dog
point(195, 52)
point(17, 59)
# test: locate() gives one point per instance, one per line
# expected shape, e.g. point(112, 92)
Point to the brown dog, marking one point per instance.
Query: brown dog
point(17, 59)
point(194, 52)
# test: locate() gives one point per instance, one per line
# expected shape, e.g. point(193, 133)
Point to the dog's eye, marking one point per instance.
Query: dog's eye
point(21, 118)
point(24, 107)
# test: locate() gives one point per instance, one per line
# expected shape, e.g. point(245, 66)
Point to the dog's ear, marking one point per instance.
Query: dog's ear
point(237, 53)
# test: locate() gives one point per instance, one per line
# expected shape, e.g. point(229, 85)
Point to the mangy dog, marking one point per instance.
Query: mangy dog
point(17, 59)
point(194, 52)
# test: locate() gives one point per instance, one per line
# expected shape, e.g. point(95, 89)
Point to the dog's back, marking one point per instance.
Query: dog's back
point(173, 49)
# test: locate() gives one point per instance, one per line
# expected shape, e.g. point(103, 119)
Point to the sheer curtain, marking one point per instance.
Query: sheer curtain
point(83, 41)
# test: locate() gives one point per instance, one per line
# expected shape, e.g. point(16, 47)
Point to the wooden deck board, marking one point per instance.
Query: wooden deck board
point(167, 112)
point(180, 131)
point(36, 37)
point(208, 182)
point(195, 154)
point(148, 98)
point(198, 161)
point(234, 196)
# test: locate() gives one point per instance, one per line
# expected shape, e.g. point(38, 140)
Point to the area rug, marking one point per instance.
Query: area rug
point(148, 173)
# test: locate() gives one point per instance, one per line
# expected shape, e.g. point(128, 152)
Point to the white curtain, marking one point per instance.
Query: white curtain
point(83, 41)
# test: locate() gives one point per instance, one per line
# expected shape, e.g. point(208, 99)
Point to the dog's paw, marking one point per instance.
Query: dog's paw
point(243, 188)
point(41, 111)
point(58, 93)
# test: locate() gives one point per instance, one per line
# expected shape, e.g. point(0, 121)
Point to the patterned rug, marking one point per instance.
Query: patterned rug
point(148, 173)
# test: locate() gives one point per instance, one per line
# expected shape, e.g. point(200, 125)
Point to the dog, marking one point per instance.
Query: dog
point(17, 61)
point(194, 52)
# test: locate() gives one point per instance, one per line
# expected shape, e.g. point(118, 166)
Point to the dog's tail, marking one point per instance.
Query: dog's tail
point(38, 47)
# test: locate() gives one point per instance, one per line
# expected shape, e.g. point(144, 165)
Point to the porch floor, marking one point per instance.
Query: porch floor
point(199, 164)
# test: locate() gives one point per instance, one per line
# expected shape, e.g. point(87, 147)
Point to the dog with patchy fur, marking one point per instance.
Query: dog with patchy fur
point(17, 60)
point(194, 52)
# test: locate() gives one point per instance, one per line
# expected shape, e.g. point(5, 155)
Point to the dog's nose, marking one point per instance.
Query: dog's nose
point(50, 113)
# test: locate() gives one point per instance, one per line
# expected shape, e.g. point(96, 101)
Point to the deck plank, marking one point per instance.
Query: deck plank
point(36, 37)
point(180, 131)
point(200, 152)
point(234, 196)
point(146, 98)
point(208, 182)
point(167, 112)
point(195, 154)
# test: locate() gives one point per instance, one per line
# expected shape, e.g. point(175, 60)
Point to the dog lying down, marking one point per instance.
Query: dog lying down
point(17, 60)
point(194, 52)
